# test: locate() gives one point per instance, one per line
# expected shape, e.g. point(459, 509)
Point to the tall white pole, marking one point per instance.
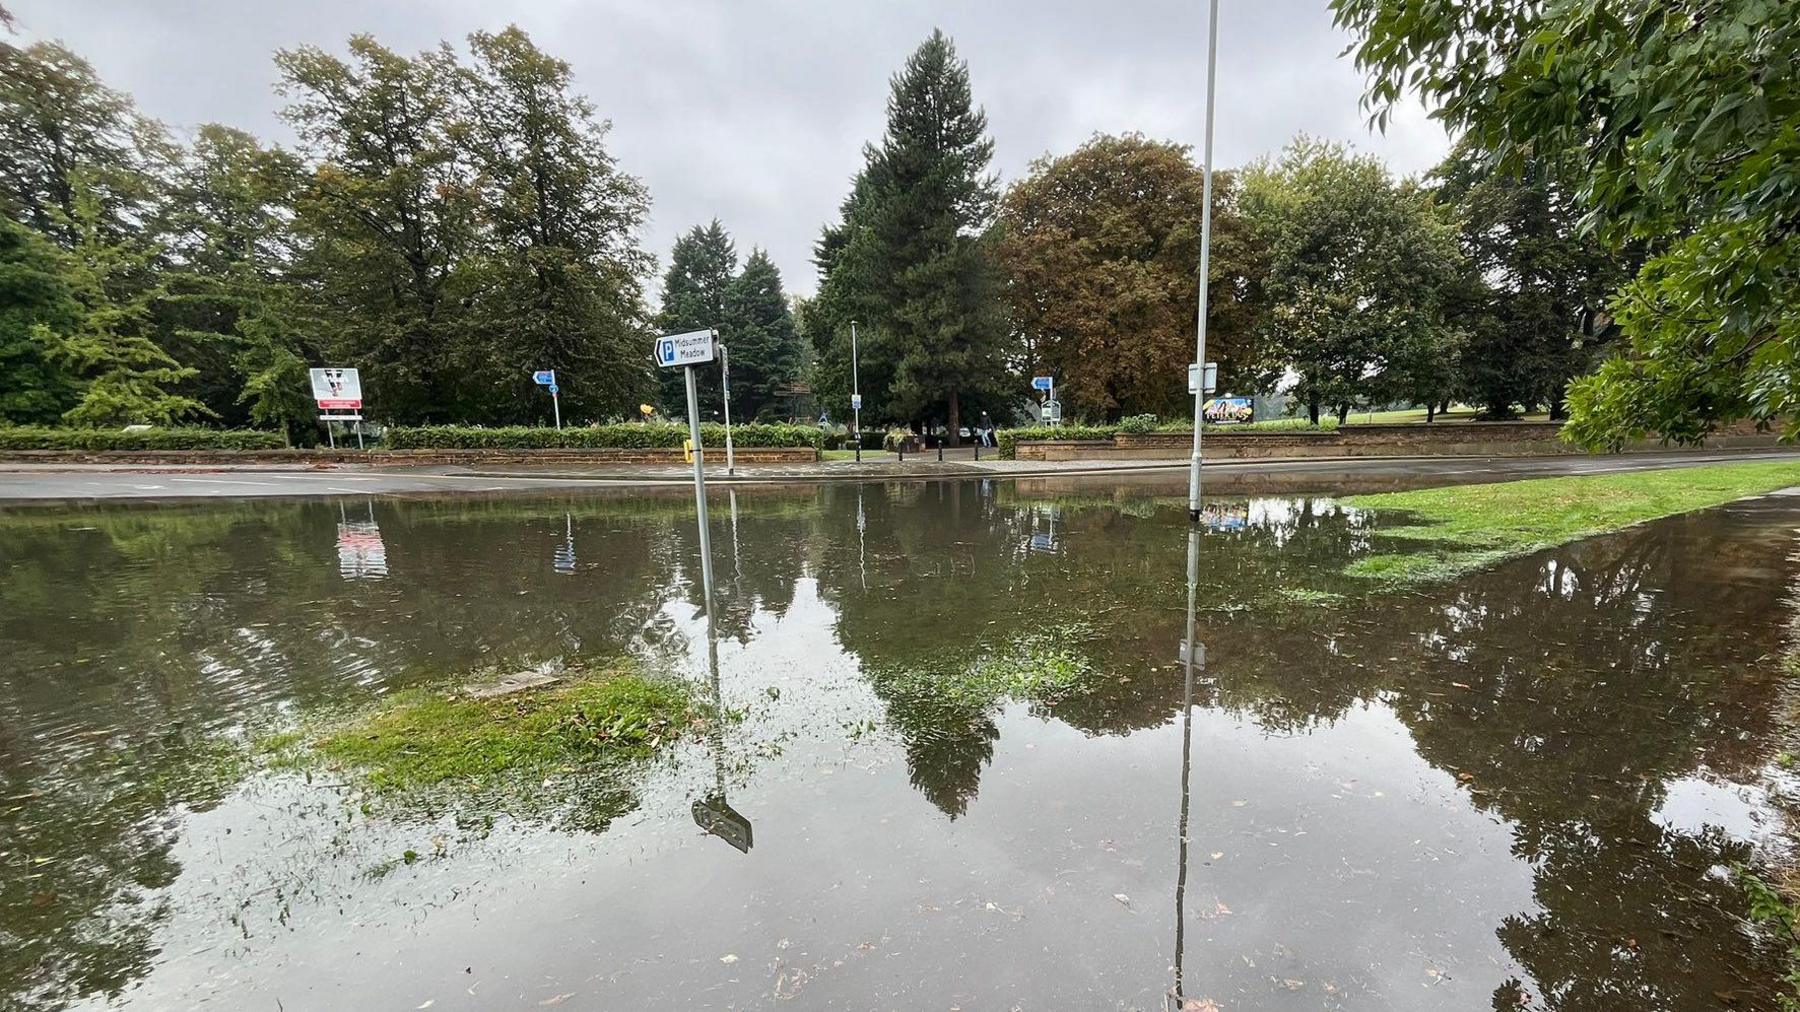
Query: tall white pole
point(555, 400)
point(855, 393)
point(725, 373)
point(699, 483)
point(1212, 63)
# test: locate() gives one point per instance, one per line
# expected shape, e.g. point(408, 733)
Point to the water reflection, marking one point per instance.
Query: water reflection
point(1472, 781)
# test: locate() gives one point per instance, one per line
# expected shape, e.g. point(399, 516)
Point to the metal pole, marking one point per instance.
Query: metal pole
point(555, 400)
point(725, 374)
point(359, 434)
point(699, 481)
point(1212, 64)
point(330, 436)
point(855, 393)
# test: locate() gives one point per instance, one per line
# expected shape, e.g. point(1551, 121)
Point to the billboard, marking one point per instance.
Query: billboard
point(1229, 411)
point(337, 389)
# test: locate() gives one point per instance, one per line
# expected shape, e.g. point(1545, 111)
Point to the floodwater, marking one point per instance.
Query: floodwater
point(1523, 791)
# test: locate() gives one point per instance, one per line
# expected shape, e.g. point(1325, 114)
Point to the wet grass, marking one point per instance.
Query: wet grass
point(1459, 529)
point(1043, 668)
point(425, 738)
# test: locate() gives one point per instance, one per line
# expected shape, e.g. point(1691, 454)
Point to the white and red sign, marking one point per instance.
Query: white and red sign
point(337, 389)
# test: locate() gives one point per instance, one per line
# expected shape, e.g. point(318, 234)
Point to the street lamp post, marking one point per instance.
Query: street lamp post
point(1212, 62)
point(855, 394)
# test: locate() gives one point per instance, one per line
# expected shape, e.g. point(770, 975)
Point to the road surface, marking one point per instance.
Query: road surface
point(20, 483)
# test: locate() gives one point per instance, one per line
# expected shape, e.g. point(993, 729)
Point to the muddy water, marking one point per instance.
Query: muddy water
point(1523, 791)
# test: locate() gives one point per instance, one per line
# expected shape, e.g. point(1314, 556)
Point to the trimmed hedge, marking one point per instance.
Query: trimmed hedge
point(626, 436)
point(38, 437)
point(1008, 439)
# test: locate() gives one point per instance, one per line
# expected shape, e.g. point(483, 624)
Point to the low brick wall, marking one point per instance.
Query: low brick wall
point(1474, 439)
point(305, 458)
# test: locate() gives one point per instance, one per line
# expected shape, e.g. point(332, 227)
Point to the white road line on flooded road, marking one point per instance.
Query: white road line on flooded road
point(223, 481)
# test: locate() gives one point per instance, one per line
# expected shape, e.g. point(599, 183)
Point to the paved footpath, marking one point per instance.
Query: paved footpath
point(25, 482)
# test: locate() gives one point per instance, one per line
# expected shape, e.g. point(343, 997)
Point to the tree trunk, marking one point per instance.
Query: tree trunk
point(1343, 412)
point(955, 433)
point(1312, 410)
point(1430, 412)
point(1559, 408)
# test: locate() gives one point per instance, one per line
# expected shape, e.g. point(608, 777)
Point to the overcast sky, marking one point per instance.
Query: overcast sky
point(756, 112)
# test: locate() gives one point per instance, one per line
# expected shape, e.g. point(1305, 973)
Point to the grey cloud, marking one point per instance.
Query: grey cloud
point(756, 113)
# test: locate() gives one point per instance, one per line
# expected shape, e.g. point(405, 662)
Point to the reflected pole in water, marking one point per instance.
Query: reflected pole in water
point(1192, 653)
point(862, 523)
point(1212, 63)
point(713, 813)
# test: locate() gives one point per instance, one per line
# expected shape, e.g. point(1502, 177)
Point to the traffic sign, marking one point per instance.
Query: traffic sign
point(856, 402)
point(692, 348)
point(553, 388)
point(1043, 382)
point(721, 820)
point(544, 377)
point(1211, 373)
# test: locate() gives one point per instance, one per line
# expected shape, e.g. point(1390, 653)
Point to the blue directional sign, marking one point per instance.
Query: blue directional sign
point(553, 388)
point(544, 378)
point(1042, 382)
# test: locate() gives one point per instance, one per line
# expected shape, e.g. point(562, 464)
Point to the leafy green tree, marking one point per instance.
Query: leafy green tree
point(63, 131)
point(701, 268)
point(559, 272)
point(1357, 265)
point(1533, 301)
point(34, 297)
point(386, 218)
point(764, 347)
point(1101, 248)
point(125, 377)
point(912, 260)
point(1675, 124)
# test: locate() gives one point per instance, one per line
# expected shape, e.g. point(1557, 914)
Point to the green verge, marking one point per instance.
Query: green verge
point(422, 738)
point(1463, 528)
point(1044, 667)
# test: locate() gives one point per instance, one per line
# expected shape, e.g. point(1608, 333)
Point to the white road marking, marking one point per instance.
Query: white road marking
point(221, 481)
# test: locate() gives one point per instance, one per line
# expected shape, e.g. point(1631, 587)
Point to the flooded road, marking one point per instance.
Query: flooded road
point(1522, 791)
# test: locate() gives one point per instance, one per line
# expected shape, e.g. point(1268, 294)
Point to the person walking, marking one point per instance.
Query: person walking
point(987, 430)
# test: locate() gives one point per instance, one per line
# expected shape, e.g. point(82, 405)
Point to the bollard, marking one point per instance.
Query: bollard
point(940, 451)
point(977, 449)
point(902, 451)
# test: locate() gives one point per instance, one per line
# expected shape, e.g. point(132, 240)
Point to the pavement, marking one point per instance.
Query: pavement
point(32, 482)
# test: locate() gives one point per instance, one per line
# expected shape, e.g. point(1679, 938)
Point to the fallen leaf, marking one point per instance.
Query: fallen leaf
point(1122, 898)
point(1217, 854)
point(557, 1000)
point(729, 958)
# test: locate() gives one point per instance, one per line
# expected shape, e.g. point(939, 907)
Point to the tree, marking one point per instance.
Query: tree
point(1533, 298)
point(701, 267)
point(230, 250)
point(759, 328)
point(63, 131)
point(912, 260)
point(1101, 251)
point(386, 217)
point(1356, 269)
point(558, 283)
point(34, 298)
point(124, 377)
point(1676, 124)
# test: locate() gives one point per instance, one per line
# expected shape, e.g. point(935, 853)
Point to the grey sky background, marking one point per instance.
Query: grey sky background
point(756, 112)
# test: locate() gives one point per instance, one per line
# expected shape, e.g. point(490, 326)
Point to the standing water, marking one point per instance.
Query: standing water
point(1522, 790)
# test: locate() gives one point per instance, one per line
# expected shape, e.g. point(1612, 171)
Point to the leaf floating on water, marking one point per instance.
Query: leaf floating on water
point(1200, 1005)
point(1122, 898)
point(558, 999)
point(427, 1004)
point(729, 958)
point(1217, 854)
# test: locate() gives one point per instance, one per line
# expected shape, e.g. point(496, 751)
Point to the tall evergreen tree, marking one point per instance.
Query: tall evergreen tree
point(701, 268)
point(559, 275)
point(759, 329)
point(912, 261)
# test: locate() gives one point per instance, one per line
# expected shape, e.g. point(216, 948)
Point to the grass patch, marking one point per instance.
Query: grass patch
point(1463, 528)
point(424, 738)
point(1043, 667)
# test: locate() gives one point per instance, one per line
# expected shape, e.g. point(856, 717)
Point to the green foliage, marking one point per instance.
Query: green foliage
point(911, 260)
point(1007, 440)
point(1677, 125)
point(34, 294)
point(761, 340)
point(422, 738)
point(1100, 248)
point(1769, 907)
point(701, 268)
point(1139, 423)
point(1356, 266)
point(629, 436)
point(37, 437)
point(1463, 528)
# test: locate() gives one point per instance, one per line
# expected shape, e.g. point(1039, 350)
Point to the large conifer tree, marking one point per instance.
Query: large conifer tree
point(759, 326)
point(701, 267)
point(911, 260)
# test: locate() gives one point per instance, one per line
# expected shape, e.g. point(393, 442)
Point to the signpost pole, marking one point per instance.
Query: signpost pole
point(725, 372)
point(1212, 64)
point(1050, 396)
point(693, 400)
point(556, 400)
point(359, 435)
point(855, 394)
